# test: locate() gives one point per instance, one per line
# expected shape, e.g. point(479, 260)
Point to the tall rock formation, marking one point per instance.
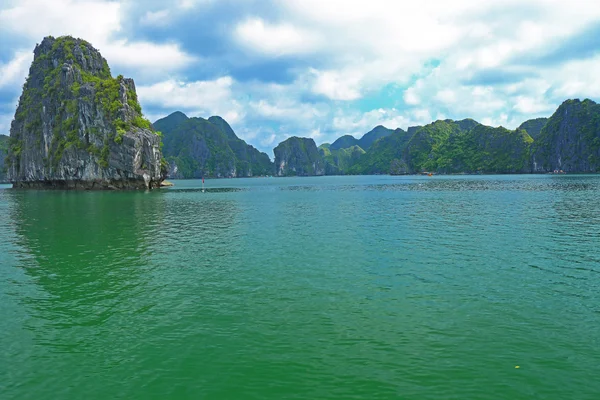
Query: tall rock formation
point(534, 126)
point(385, 156)
point(344, 142)
point(570, 139)
point(297, 156)
point(337, 162)
point(196, 147)
point(4, 144)
point(448, 147)
point(367, 140)
point(78, 127)
point(485, 149)
point(467, 146)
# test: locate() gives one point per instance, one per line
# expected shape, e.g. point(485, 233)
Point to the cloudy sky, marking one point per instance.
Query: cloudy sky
point(324, 68)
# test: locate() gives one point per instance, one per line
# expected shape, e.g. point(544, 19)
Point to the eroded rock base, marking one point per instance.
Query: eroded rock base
point(131, 184)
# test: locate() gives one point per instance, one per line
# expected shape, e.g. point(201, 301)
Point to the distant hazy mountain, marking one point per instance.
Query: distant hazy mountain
point(448, 147)
point(568, 141)
point(365, 142)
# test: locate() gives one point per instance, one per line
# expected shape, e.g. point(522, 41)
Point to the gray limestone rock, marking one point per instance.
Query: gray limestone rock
point(298, 157)
point(76, 127)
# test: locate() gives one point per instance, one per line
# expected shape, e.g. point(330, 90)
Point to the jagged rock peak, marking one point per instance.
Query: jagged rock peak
point(70, 50)
point(78, 127)
point(223, 125)
point(298, 156)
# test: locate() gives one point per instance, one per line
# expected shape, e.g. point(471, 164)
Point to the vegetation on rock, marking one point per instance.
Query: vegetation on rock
point(4, 148)
point(379, 158)
point(344, 142)
point(297, 156)
point(72, 115)
point(76, 123)
point(196, 147)
point(340, 161)
point(534, 127)
point(570, 139)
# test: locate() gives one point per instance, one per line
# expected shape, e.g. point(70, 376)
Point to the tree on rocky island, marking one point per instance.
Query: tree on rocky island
point(77, 127)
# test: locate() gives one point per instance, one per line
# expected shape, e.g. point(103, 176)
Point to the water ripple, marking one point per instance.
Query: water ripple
point(333, 287)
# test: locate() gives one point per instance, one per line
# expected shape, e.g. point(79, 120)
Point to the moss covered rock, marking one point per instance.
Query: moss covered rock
point(297, 156)
point(570, 139)
point(196, 147)
point(78, 127)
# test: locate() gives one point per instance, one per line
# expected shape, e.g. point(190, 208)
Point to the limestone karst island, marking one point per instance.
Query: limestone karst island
point(299, 200)
point(78, 127)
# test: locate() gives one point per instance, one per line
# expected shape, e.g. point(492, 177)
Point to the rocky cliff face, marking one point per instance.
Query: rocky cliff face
point(4, 144)
point(385, 156)
point(337, 162)
point(448, 147)
point(371, 137)
point(570, 139)
point(534, 126)
point(488, 150)
point(77, 127)
point(365, 142)
point(298, 157)
point(467, 146)
point(344, 142)
point(196, 147)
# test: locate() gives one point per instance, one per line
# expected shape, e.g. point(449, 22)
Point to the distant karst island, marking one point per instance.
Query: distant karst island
point(77, 127)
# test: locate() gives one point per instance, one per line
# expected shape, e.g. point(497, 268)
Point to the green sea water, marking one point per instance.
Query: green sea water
point(304, 288)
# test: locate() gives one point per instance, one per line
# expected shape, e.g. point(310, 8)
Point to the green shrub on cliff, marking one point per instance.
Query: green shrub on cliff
point(196, 147)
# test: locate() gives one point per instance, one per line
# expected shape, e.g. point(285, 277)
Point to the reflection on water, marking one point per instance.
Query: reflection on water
point(207, 190)
point(333, 287)
point(93, 269)
point(88, 256)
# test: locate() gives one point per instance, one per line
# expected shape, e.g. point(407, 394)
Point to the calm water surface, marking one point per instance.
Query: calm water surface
point(304, 288)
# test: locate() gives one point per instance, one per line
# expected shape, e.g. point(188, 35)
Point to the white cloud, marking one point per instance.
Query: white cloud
point(202, 98)
point(273, 39)
point(422, 115)
point(157, 58)
point(374, 43)
point(156, 18)
point(315, 134)
point(582, 78)
point(446, 96)
point(100, 23)
point(336, 85)
point(14, 72)
point(5, 121)
point(90, 19)
point(357, 124)
point(289, 111)
point(530, 105)
point(190, 4)
point(268, 140)
point(442, 55)
point(410, 96)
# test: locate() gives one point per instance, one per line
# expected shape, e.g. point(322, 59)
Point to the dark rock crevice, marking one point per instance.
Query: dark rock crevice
point(78, 127)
